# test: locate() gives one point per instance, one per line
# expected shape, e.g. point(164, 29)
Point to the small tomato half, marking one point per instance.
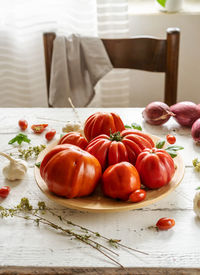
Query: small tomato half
point(38, 128)
point(120, 180)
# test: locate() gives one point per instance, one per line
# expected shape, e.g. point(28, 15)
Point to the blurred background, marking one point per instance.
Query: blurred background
point(22, 66)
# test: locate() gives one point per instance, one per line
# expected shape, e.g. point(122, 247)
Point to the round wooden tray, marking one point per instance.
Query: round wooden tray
point(98, 203)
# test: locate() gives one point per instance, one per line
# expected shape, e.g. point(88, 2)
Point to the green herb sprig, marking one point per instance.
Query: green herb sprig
point(196, 164)
point(162, 2)
point(26, 211)
point(172, 149)
point(19, 139)
point(160, 144)
point(38, 164)
point(31, 152)
point(134, 126)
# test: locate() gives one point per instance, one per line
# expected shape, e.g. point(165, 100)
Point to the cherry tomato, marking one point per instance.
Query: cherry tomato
point(38, 128)
point(23, 124)
point(171, 139)
point(165, 223)
point(4, 191)
point(137, 195)
point(50, 135)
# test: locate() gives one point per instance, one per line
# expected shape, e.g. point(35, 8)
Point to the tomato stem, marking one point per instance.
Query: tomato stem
point(115, 136)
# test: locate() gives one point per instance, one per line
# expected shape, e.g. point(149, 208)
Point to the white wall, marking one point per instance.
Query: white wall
point(147, 87)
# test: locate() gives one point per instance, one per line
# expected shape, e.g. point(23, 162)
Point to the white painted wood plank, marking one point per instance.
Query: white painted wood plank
point(22, 243)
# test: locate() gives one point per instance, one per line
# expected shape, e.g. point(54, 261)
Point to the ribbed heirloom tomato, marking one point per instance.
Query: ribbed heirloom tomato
point(70, 171)
point(102, 123)
point(117, 147)
point(156, 167)
point(74, 138)
point(120, 180)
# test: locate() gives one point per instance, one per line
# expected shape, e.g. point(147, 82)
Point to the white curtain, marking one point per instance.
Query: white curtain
point(113, 22)
point(22, 23)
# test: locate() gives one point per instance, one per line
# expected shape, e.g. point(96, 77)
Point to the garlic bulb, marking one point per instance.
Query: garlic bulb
point(16, 169)
point(196, 203)
point(73, 126)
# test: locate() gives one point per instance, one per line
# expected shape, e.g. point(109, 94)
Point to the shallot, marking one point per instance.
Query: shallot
point(157, 113)
point(195, 132)
point(186, 112)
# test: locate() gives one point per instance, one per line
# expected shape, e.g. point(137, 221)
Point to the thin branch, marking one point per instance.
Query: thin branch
point(96, 233)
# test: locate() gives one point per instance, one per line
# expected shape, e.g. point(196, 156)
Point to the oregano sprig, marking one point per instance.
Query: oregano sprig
point(26, 211)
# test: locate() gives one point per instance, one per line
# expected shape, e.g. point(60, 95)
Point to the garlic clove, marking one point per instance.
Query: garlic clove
point(73, 126)
point(16, 169)
point(196, 204)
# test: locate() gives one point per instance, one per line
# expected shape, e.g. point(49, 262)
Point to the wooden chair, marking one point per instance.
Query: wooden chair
point(141, 53)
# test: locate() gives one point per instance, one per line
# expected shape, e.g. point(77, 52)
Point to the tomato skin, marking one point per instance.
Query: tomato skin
point(23, 124)
point(171, 139)
point(138, 195)
point(120, 180)
point(165, 223)
point(110, 152)
point(70, 171)
point(4, 191)
point(156, 167)
point(38, 128)
point(74, 138)
point(50, 135)
point(102, 123)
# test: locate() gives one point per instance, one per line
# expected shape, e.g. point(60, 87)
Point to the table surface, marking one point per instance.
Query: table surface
point(23, 244)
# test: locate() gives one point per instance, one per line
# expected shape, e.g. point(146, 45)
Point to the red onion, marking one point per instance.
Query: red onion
point(196, 130)
point(157, 113)
point(186, 112)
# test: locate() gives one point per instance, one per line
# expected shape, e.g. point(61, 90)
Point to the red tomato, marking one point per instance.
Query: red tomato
point(38, 128)
point(4, 191)
point(23, 124)
point(102, 123)
point(171, 139)
point(137, 195)
point(50, 135)
point(120, 180)
point(74, 138)
point(156, 167)
point(165, 223)
point(124, 146)
point(70, 171)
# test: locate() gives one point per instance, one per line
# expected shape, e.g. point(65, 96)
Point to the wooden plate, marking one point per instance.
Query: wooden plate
point(98, 203)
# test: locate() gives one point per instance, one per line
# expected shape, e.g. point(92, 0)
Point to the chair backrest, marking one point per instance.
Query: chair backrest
point(141, 53)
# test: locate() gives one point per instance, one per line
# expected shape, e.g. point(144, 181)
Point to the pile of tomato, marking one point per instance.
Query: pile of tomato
point(125, 162)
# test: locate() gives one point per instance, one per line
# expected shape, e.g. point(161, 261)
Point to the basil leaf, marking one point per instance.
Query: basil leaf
point(19, 139)
point(162, 2)
point(38, 164)
point(12, 140)
point(136, 126)
point(175, 147)
point(160, 144)
point(127, 126)
point(172, 153)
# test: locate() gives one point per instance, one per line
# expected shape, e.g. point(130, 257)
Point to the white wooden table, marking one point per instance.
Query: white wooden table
point(28, 249)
